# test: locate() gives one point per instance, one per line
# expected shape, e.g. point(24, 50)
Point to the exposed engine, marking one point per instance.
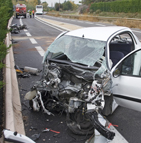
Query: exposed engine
point(73, 89)
point(60, 82)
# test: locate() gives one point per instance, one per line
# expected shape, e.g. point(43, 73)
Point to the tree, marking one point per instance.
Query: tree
point(45, 5)
point(67, 5)
point(39, 2)
point(6, 11)
point(57, 5)
point(35, 2)
point(74, 6)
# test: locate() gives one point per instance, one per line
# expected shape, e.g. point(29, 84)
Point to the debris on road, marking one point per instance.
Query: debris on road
point(26, 71)
point(13, 41)
point(14, 29)
point(33, 128)
point(47, 130)
point(35, 137)
point(31, 70)
point(22, 27)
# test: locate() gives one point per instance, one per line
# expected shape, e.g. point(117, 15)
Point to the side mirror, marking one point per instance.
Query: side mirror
point(116, 73)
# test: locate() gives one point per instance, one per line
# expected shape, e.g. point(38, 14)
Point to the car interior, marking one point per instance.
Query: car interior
point(120, 46)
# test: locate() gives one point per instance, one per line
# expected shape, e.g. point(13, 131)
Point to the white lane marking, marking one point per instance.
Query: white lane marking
point(80, 21)
point(100, 24)
point(21, 21)
point(89, 22)
point(33, 41)
point(28, 34)
point(40, 50)
point(49, 25)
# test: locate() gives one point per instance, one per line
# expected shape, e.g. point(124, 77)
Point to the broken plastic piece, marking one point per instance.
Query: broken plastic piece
point(101, 129)
point(47, 130)
point(16, 137)
point(30, 95)
point(112, 125)
point(18, 69)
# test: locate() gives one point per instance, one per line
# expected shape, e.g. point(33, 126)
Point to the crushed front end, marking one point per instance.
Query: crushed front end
point(75, 80)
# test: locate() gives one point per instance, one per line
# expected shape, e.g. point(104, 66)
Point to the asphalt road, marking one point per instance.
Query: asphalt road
point(26, 54)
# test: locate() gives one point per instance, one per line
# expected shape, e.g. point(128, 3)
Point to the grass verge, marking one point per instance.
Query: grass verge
point(119, 19)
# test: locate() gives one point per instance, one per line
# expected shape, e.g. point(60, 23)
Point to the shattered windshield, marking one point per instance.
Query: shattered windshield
point(78, 50)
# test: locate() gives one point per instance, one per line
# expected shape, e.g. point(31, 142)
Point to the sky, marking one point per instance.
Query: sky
point(52, 2)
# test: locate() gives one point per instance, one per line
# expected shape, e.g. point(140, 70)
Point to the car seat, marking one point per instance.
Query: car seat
point(116, 56)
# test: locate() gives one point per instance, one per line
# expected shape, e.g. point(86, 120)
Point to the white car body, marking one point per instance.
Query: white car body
point(126, 86)
point(126, 89)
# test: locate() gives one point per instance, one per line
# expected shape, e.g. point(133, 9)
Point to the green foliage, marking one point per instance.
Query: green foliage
point(87, 2)
point(1, 84)
point(67, 5)
point(3, 50)
point(126, 6)
point(51, 9)
point(6, 11)
point(57, 6)
point(45, 4)
point(39, 2)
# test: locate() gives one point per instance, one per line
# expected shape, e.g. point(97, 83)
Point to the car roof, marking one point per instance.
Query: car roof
point(97, 33)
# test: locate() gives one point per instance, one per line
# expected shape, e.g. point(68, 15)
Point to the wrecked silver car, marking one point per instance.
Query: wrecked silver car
point(76, 78)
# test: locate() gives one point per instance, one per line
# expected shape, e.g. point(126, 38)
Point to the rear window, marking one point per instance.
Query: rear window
point(40, 6)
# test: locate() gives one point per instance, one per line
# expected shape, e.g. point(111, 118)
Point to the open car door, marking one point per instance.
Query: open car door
point(126, 78)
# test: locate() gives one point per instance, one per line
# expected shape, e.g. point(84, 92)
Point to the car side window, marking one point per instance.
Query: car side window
point(120, 46)
point(131, 66)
